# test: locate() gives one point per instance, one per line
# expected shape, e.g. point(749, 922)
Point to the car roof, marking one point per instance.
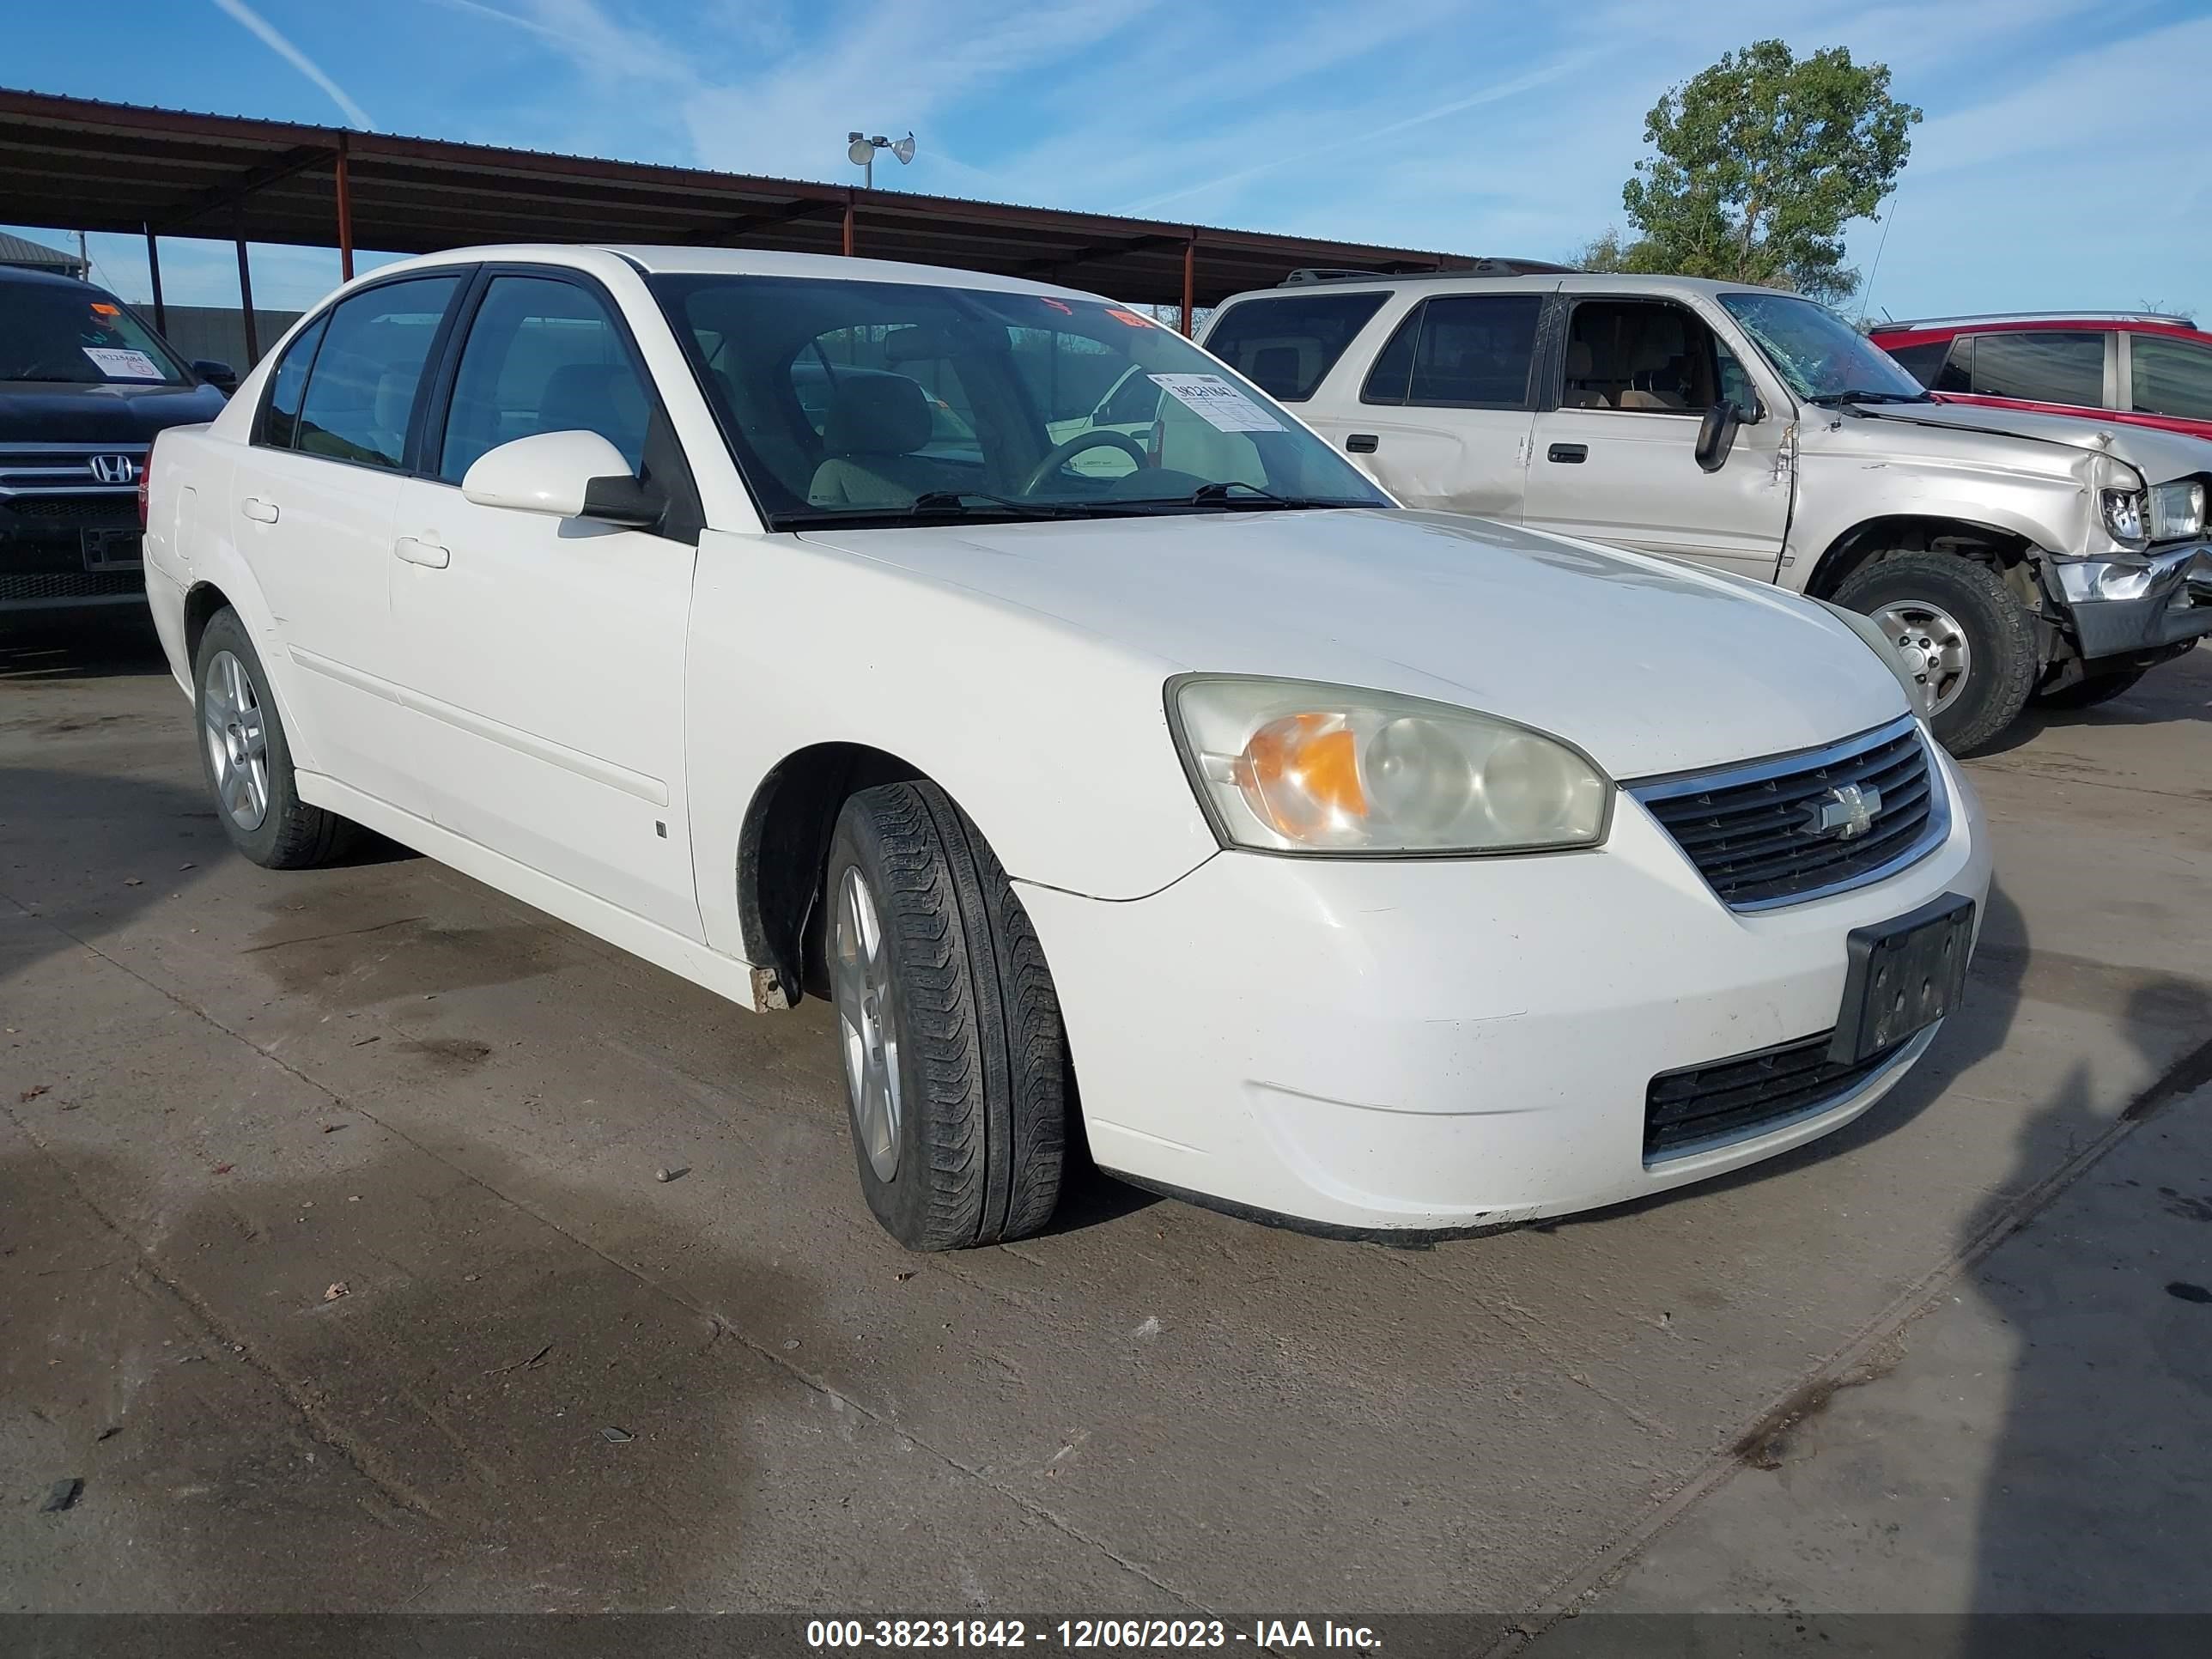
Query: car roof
point(2125, 322)
point(734, 262)
point(28, 277)
point(1571, 281)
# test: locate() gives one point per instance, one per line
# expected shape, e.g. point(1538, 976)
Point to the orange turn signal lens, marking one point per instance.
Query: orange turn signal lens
point(1300, 775)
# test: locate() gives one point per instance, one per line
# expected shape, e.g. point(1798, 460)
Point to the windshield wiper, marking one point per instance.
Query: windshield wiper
point(957, 502)
point(1218, 494)
point(1855, 395)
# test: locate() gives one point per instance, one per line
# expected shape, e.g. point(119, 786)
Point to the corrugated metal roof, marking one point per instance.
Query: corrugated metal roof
point(20, 251)
point(88, 164)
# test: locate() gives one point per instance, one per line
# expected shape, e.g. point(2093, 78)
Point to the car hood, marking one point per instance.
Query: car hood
point(66, 412)
point(1651, 667)
point(2159, 455)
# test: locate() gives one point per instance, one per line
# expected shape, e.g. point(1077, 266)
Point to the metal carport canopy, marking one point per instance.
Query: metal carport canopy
point(80, 164)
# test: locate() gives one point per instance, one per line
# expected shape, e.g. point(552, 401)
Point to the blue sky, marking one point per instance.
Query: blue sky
point(2060, 163)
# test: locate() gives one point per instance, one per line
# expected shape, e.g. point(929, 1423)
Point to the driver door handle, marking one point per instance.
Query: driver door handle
point(1573, 454)
point(415, 550)
point(259, 511)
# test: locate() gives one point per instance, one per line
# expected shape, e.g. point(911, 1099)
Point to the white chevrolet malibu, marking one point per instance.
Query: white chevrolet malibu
point(807, 628)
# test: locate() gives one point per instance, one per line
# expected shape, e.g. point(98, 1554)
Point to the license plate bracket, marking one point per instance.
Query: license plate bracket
point(1905, 975)
point(111, 550)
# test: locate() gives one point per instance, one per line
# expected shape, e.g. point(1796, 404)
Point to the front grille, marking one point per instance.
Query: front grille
point(39, 467)
point(112, 510)
point(1753, 830)
point(21, 585)
point(1730, 1099)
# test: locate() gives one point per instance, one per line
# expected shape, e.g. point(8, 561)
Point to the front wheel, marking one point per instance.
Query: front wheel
point(1956, 617)
point(955, 1063)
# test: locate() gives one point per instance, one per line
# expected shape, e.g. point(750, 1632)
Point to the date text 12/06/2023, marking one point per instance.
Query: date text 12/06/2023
point(1087, 1633)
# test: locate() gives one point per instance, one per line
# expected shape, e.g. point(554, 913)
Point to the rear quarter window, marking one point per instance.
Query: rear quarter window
point(1286, 346)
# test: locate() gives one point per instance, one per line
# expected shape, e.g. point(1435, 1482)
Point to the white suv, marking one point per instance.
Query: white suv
point(2014, 554)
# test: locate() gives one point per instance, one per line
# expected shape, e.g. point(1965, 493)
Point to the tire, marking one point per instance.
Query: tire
point(246, 761)
point(940, 987)
point(2088, 692)
point(1933, 595)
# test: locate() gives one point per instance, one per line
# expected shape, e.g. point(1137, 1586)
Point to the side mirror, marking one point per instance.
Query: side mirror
point(221, 376)
point(1716, 435)
point(567, 475)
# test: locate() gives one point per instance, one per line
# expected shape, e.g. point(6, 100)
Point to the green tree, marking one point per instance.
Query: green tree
point(1760, 162)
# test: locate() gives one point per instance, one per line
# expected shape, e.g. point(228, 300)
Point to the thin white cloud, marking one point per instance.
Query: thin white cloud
point(249, 19)
point(1544, 76)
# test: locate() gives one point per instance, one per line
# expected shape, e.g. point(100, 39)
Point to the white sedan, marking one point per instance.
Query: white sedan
point(1379, 871)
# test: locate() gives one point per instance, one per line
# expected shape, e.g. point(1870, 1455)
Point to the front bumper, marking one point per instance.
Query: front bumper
point(63, 552)
point(1440, 1045)
point(2123, 606)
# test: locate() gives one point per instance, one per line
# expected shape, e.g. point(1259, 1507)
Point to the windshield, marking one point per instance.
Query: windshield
point(853, 402)
point(52, 332)
point(1821, 357)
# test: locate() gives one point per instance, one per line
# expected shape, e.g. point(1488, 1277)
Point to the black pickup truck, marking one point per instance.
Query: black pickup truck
point(84, 386)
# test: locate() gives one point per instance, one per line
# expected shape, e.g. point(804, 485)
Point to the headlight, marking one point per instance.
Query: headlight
point(2120, 493)
point(1910, 666)
point(1287, 766)
point(2176, 511)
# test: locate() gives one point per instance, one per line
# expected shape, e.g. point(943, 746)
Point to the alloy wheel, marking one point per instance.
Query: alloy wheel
point(867, 1024)
point(1932, 639)
point(237, 736)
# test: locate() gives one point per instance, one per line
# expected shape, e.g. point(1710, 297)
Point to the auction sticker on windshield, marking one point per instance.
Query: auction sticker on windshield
point(1218, 404)
point(119, 365)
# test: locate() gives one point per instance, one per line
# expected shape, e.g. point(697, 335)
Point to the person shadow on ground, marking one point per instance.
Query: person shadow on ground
point(2097, 1506)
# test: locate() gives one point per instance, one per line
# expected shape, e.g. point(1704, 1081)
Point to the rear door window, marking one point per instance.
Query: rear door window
point(1463, 351)
point(2041, 366)
point(2170, 377)
point(362, 391)
point(1285, 346)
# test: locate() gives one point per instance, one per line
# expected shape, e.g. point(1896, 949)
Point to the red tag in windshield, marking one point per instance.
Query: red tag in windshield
point(1128, 316)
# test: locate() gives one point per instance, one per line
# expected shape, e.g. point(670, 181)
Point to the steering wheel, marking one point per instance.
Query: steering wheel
point(1061, 454)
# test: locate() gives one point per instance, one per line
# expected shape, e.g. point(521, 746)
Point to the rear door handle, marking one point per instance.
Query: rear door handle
point(1362, 443)
point(1573, 454)
point(259, 511)
point(416, 551)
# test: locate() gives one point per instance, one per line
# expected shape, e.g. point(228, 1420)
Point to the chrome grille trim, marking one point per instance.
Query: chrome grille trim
point(1716, 833)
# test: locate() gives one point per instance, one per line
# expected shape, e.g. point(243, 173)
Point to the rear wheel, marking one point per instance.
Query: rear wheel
point(2091, 690)
point(246, 761)
point(955, 1065)
point(1959, 619)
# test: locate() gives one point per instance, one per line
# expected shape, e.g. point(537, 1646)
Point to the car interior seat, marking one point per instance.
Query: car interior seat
point(1583, 390)
point(875, 424)
point(1656, 377)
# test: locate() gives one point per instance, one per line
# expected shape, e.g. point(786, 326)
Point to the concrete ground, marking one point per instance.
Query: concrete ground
point(334, 1263)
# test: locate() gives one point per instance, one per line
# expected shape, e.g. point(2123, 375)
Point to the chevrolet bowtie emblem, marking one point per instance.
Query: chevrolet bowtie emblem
point(1845, 811)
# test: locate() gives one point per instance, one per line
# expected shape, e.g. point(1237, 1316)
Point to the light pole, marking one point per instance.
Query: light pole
point(861, 152)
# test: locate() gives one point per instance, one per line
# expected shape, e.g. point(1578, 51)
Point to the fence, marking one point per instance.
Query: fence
point(218, 332)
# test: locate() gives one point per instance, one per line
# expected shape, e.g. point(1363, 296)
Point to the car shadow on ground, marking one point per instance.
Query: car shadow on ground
point(96, 644)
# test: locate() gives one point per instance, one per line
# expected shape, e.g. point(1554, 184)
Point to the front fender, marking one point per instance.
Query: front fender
point(1054, 741)
point(1836, 493)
